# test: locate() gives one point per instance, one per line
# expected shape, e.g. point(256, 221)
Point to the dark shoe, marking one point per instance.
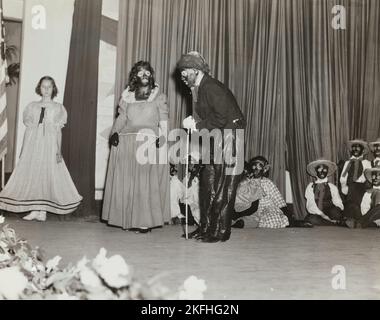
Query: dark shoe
point(210, 239)
point(358, 225)
point(201, 236)
point(300, 224)
point(350, 223)
point(342, 223)
point(145, 230)
point(193, 234)
point(238, 224)
point(176, 221)
point(225, 237)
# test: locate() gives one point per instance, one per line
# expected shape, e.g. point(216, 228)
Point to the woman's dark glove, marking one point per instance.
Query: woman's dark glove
point(114, 139)
point(160, 141)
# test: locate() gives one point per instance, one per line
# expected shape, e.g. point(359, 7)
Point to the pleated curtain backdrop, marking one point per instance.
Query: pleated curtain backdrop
point(332, 78)
point(80, 100)
point(304, 87)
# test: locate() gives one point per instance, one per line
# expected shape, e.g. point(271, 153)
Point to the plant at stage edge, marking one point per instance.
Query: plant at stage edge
point(24, 275)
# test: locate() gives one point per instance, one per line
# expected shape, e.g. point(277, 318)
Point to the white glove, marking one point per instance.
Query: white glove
point(189, 123)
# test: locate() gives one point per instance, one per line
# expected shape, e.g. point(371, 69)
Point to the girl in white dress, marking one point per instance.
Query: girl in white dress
point(40, 182)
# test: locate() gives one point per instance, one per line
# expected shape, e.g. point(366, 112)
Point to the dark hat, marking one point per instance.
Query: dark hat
point(311, 167)
point(193, 60)
point(368, 173)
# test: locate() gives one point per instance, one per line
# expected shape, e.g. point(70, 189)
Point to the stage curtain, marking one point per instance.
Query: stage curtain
point(80, 100)
point(244, 45)
point(363, 32)
point(332, 76)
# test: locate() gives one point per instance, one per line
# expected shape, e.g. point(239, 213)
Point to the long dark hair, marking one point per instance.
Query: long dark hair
point(132, 82)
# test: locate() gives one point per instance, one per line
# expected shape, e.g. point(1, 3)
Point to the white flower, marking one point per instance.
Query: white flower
point(193, 289)
point(28, 265)
point(100, 259)
point(114, 271)
point(2, 219)
point(12, 283)
point(101, 295)
point(82, 263)
point(89, 278)
point(65, 296)
point(4, 257)
point(52, 263)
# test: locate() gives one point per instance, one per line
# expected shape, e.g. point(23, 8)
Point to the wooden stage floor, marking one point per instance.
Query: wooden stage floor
point(253, 264)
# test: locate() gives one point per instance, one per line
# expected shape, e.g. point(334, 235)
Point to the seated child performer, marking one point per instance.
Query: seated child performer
point(177, 193)
point(192, 193)
point(370, 205)
point(352, 180)
point(323, 201)
point(375, 148)
point(259, 199)
point(247, 198)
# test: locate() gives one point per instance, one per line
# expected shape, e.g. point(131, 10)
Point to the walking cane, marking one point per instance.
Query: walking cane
point(187, 184)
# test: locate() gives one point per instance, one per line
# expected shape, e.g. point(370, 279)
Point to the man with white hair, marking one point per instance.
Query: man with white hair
point(214, 107)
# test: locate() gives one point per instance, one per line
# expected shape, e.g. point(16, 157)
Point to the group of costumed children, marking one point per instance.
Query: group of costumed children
point(354, 203)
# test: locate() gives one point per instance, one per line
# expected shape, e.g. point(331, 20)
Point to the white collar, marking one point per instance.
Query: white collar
point(377, 188)
point(356, 158)
point(129, 96)
point(199, 78)
point(318, 181)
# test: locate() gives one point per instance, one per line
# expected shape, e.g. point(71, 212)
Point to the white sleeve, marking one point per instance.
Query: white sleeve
point(311, 206)
point(366, 165)
point(336, 199)
point(366, 203)
point(343, 180)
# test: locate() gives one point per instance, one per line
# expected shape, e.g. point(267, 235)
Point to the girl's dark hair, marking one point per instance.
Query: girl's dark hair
point(262, 159)
point(258, 158)
point(55, 89)
point(133, 80)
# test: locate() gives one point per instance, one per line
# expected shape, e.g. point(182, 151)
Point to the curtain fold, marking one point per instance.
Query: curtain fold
point(364, 68)
point(80, 100)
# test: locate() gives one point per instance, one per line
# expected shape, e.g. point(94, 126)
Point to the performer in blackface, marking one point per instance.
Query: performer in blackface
point(137, 193)
point(323, 202)
point(260, 203)
point(215, 107)
point(370, 205)
point(352, 179)
point(375, 148)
